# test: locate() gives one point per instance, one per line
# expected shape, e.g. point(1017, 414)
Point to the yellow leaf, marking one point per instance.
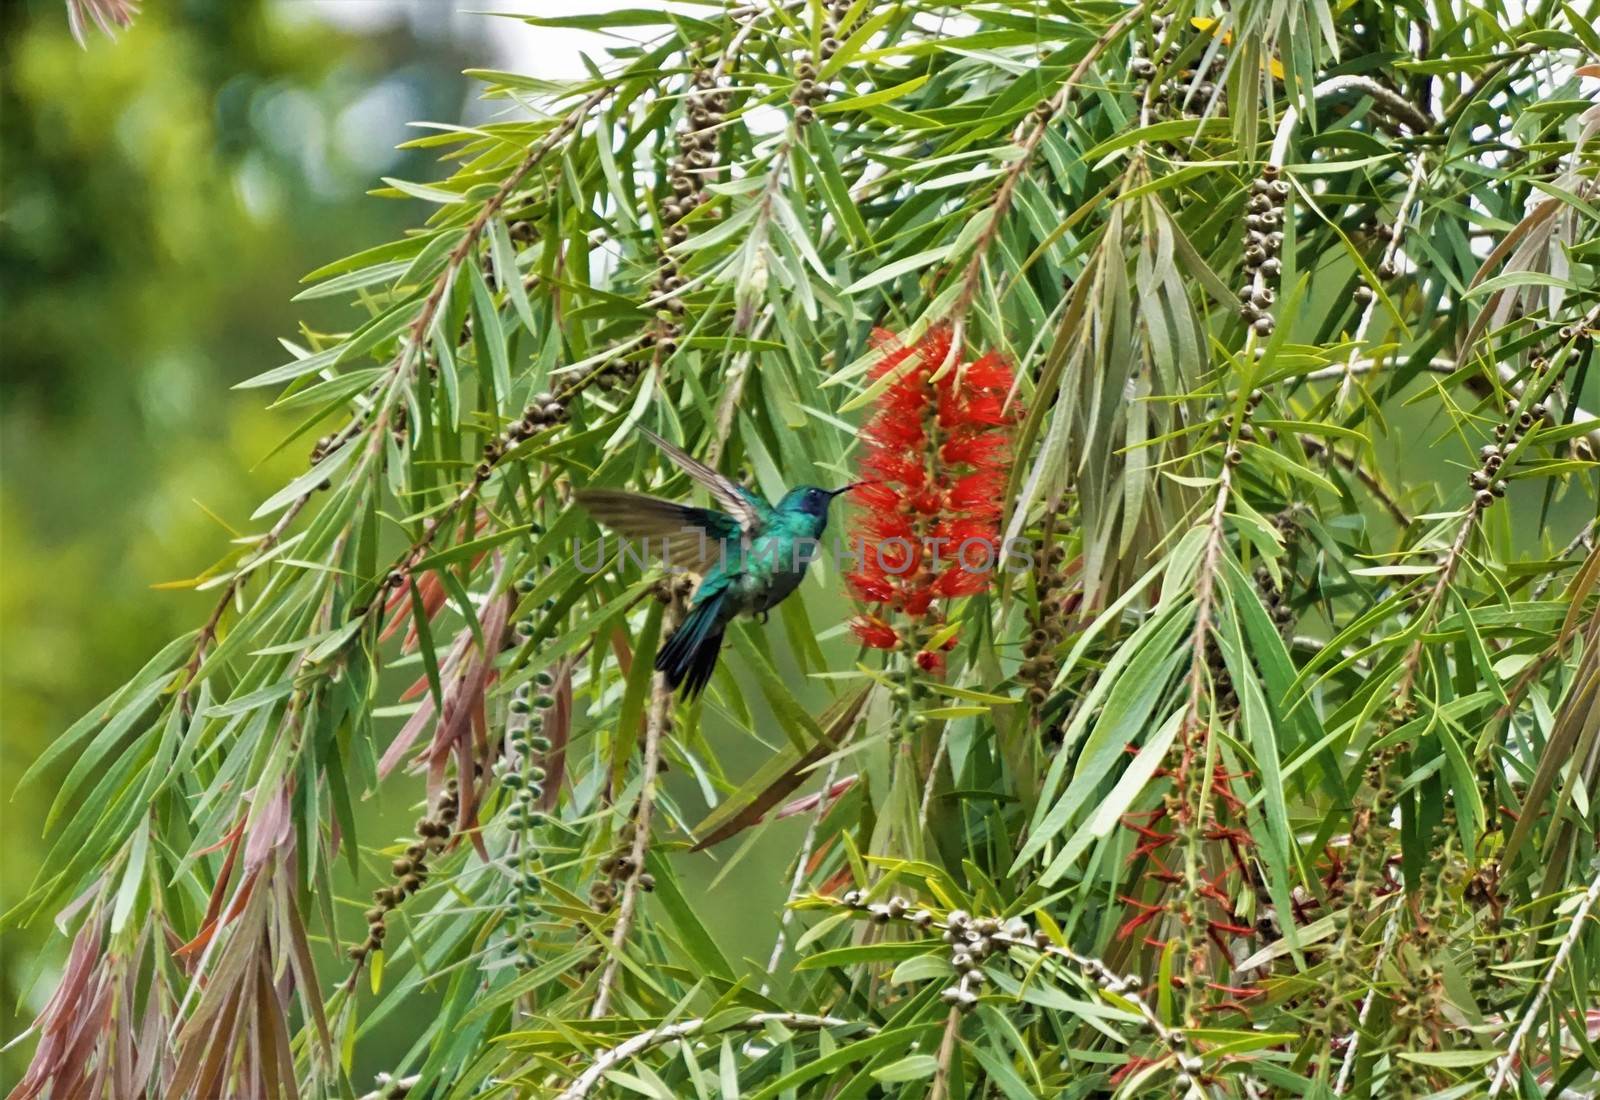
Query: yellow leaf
point(1200, 23)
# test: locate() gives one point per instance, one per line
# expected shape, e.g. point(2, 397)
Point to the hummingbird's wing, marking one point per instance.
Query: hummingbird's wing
point(688, 538)
point(751, 511)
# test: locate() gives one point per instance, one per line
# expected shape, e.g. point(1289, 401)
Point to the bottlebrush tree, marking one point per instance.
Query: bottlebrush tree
point(1262, 333)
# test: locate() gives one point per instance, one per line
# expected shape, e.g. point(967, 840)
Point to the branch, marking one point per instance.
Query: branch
point(1386, 99)
point(1507, 374)
point(1390, 930)
point(398, 376)
point(1029, 144)
point(585, 1082)
point(798, 882)
point(947, 1049)
point(1390, 251)
point(1013, 933)
point(1529, 1018)
point(660, 714)
point(1584, 538)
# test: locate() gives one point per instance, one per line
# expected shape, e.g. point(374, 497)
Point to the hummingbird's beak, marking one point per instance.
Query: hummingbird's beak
point(847, 488)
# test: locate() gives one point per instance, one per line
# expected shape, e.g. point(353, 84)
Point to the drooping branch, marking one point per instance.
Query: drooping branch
point(608, 1060)
point(1028, 141)
point(1389, 101)
point(655, 729)
point(375, 419)
point(1530, 1018)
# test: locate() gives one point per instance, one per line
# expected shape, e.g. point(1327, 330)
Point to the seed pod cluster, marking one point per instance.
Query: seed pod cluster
point(1486, 484)
point(1140, 67)
point(696, 159)
point(1580, 336)
point(1366, 874)
point(619, 867)
point(522, 773)
point(410, 870)
point(1263, 222)
point(973, 940)
point(1272, 595)
point(544, 410)
point(1047, 629)
point(808, 90)
point(1387, 268)
point(1184, 94)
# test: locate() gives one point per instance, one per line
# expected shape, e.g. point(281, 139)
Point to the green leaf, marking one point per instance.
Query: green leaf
point(913, 1067)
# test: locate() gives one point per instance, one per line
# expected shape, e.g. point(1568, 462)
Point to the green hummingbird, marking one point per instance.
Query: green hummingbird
point(749, 556)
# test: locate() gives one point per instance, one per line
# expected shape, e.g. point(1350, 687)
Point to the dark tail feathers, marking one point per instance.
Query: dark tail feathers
point(690, 655)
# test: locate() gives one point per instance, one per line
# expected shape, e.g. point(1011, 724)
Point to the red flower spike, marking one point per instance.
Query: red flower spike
point(935, 454)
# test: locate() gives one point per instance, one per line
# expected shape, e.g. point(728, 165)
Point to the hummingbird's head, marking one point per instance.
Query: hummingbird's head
point(812, 500)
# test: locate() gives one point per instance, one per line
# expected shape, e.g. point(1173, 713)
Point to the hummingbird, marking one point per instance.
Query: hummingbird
point(750, 555)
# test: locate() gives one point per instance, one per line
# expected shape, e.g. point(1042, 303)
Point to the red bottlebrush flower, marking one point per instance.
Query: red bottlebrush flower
point(936, 453)
point(874, 632)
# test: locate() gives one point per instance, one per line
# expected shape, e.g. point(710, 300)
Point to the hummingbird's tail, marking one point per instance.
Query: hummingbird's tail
point(690, 655)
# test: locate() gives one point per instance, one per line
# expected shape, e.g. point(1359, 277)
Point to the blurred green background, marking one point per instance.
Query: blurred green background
point(162, 195)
